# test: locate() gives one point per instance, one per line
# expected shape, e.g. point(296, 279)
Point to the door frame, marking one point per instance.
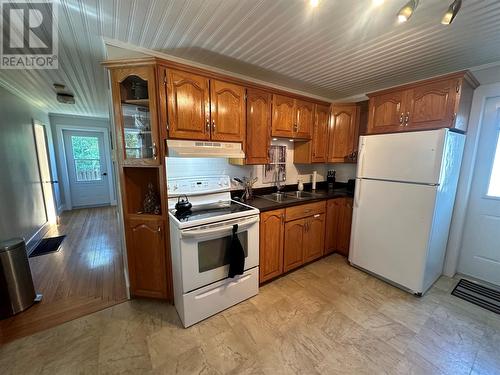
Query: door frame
point(455, 239)
point(50, 212)
point(68, 205)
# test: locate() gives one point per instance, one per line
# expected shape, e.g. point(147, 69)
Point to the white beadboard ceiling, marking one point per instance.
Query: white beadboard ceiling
point(339, 49)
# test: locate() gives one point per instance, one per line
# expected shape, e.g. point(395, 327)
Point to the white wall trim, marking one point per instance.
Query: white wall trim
point(62, 154)
point(481, 95)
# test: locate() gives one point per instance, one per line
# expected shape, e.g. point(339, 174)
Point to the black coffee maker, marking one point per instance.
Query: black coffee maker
point(330, 179)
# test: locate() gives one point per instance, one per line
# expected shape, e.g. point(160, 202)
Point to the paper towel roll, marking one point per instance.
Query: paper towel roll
point(315, 175)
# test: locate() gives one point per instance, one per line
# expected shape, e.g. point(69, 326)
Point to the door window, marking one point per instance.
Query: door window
point(214, 253)
point(87, 158)
point(494, 185)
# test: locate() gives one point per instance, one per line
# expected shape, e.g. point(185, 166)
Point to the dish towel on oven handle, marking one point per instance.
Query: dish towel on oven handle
point(236, 255)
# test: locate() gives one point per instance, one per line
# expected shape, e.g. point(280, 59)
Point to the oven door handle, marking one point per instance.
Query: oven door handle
point(190, 233)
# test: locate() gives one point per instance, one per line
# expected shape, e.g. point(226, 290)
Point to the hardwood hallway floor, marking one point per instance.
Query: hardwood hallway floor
point(85, 276)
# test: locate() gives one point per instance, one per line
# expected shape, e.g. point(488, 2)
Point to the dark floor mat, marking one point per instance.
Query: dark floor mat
point(478, 294)
point(47, 245)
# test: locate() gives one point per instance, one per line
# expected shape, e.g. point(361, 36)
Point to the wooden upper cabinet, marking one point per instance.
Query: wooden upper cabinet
point(227, 102)
point(188, 105)
point(271, 244)
point(343, 133)
point(442, 102)
point(136, 116)
point(258, 128)
point(284, 117)
point(316, 150)
point(146, 257)
point(431, 106)
point(320, 134)
point(304, 119)
point(386, 113)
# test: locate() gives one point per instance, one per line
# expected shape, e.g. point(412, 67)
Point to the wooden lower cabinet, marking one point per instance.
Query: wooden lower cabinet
point(344, 228)
point(338, 225)
point(271, 244)
point(293, 254)
point(314, 243)
point(147, 257)
point(300, 234)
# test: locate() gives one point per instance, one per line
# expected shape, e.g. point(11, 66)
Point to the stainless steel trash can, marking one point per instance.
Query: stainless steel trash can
point(17, 291)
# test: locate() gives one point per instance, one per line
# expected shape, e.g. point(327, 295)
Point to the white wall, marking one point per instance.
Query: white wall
point(21, 199)
point(74, 121)
point(189, 167)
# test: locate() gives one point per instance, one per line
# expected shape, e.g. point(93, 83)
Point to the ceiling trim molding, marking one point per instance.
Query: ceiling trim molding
point(153, 53)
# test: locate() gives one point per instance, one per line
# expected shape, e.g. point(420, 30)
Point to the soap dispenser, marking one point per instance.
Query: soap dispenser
point(300, 185)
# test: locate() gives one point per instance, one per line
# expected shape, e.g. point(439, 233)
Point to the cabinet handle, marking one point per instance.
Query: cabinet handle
point(407, 118)
point(208, 125)
point(159, 229)
point(401, 119)
point(282, 218)
point(317, 215)
point(213, 126)
point(168, 126)
point(155, 150)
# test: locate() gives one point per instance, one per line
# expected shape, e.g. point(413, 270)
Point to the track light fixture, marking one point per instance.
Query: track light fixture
point(452, 12)
point(406, 11)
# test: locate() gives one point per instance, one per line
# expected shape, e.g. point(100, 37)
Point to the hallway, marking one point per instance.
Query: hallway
point(84, 276)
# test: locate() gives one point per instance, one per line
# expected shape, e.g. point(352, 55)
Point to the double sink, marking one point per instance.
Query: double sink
point(288, 196)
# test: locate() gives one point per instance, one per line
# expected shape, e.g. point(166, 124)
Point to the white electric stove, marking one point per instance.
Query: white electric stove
point(200, 241)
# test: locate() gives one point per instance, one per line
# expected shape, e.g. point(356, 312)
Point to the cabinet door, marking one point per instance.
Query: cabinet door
point(314, 245)
point(293, 253)
point(333, 213)
point(258, 127)
point(431, 106)
point(135, 107)
point(304, 120)
point(344, 231)
point(188, 106)
point(386, 113)
point(342, 134)
point(283, 121)
point(227, 103)
point(320, 134)
point(271, 244)
point(146, 257)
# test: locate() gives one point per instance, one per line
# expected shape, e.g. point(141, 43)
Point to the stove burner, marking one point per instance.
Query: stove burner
point(183, 215)
point(205, 211)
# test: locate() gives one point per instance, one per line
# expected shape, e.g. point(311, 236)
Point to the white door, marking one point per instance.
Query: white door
point(87, 168)
point(391, 228)
point(411, 157)
point(480, 254)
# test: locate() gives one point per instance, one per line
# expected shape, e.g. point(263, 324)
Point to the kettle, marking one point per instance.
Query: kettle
point(183, 204)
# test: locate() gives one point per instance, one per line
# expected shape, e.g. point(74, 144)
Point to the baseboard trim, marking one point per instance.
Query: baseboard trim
point(37, 237)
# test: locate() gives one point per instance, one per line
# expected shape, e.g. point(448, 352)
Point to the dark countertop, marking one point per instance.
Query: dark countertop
point(319, 195)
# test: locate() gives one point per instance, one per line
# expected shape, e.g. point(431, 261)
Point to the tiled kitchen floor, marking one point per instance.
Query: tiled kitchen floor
point(327, 318)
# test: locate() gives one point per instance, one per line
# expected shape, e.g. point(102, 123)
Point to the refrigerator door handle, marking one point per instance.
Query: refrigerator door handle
point(361, 159)
point(357, 193)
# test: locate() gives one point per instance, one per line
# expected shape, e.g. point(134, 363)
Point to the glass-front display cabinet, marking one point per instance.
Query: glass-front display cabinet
point(136, 116)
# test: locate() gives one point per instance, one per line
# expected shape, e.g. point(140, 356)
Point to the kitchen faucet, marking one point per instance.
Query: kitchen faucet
point(277, 181)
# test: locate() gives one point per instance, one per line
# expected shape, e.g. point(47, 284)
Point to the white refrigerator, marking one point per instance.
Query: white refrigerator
point(403, 203)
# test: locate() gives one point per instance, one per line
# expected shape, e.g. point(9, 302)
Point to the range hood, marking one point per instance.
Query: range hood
point(204, 149)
